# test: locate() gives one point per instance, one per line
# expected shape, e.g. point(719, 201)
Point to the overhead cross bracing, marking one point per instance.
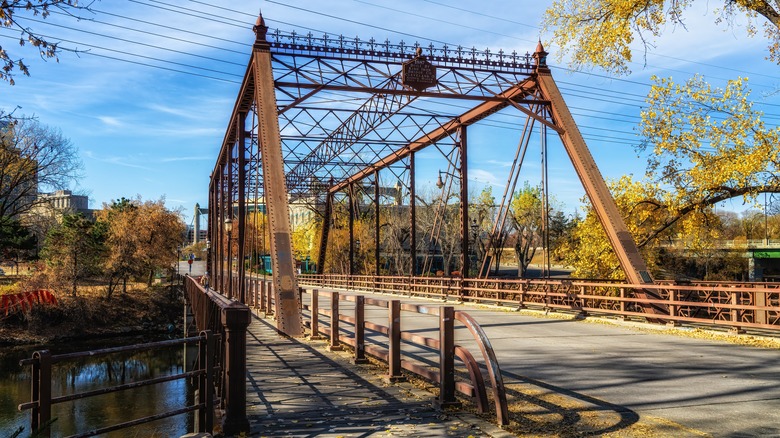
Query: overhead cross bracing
point(338, 111)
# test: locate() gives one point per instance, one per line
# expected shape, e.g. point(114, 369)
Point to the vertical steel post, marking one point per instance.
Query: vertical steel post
point(235, 319)
point(376, 225)
point(315, 315)
point(325, 232)
point(447, 358)
point(335, 344)
point(351, 209)
point(241, 151)
point(41, 393)
point(230, 199)
point(288, 315)
point(412, 215)
point(206, 382)
point(360, 330)
point(394, 342)
point(464, 203)
point(220, 230)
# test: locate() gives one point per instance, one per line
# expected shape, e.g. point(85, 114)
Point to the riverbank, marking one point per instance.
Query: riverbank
point(152, 311)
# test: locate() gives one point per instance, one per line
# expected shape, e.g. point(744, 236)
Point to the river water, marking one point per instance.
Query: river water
point(99, 372)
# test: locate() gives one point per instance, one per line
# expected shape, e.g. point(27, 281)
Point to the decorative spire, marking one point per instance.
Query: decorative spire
point(260, 28)
point(540, 56)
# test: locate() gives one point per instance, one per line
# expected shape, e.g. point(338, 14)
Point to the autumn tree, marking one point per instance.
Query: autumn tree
point(142, 238)
point(74, 250)
point(526, 217)
point(600, 32)
point(33, 156)
point(705, 145)
point(159, 232)
point(10, 10)
point(121, 262)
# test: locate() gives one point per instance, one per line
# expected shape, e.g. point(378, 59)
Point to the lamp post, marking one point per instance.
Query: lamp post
point(475, 235)
point(229, 232)
point(178, 259)
point(208, 263)
point(357, 252)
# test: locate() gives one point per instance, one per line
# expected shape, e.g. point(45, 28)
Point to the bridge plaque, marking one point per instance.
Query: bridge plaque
point(418, 73)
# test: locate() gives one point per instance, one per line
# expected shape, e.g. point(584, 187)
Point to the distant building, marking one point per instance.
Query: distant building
point(61, 202)
point(202, 234)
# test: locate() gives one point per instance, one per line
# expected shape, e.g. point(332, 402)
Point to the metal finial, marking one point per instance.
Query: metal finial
point(260, 28)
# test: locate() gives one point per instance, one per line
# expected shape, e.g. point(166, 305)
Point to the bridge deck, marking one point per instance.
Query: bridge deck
point(627, 379)
point(295, 390)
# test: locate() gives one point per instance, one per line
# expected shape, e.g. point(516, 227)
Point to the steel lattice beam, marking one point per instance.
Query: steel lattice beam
point(315, 116)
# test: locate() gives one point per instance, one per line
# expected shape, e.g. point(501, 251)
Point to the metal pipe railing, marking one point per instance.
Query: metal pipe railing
point(393, 354)
point(229, 318)
point(735, 306)
point(42, 398)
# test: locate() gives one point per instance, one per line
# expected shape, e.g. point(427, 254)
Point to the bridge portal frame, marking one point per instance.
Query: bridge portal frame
point(289, 139)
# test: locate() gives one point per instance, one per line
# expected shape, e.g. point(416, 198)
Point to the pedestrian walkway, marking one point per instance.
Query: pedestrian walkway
point(295, 389)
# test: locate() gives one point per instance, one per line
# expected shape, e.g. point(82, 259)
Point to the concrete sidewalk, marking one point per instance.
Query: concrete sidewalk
point(295, 388)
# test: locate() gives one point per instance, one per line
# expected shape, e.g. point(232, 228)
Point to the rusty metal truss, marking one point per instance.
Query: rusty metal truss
point(337, 123)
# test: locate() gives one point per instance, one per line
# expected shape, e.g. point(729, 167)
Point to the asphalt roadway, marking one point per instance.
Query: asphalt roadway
point(704, 387)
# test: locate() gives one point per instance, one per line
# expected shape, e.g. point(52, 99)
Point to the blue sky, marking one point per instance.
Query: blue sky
point(147, 97)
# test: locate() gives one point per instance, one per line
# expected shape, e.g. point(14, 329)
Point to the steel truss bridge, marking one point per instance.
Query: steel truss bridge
point(338, 125)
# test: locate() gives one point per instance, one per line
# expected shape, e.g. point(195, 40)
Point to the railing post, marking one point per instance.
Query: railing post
point(315, 315)
point(262, 295)
point(206, 382)
point(360, 330)
point(735, 312)
point(334, 322)
point(394, 342)
point(41, 393)
point(447, 359)
point(672, 307)
point(622, 303)
point(235, 319)
point(759, 300)
point(269, 292)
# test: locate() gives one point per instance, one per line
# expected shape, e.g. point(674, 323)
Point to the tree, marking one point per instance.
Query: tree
point(526, 215)
point(483, 221)
point(74, 250)
point(16, 241)
point(45, 48)
point(121, 262)
point(142, 237)
point(705, 145)
point(159, 232)
point(32, 156)
point(599, 32)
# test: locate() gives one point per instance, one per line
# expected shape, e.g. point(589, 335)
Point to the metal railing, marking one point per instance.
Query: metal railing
point(42, 398)
point(735, 306)
point(260, 293)
point(230, 319)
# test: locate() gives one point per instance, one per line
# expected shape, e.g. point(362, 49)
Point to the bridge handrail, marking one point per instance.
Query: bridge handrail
point(230, 318)
point(730, 305)
point(41, 399)
point(445, 344)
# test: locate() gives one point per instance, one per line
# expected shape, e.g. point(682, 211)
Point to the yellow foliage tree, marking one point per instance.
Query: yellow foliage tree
point(600, 32)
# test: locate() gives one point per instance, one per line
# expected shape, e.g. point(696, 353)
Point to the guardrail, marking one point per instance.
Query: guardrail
point(229, 318)
point(261, 294)
point(735, 306)
point(42, 398)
